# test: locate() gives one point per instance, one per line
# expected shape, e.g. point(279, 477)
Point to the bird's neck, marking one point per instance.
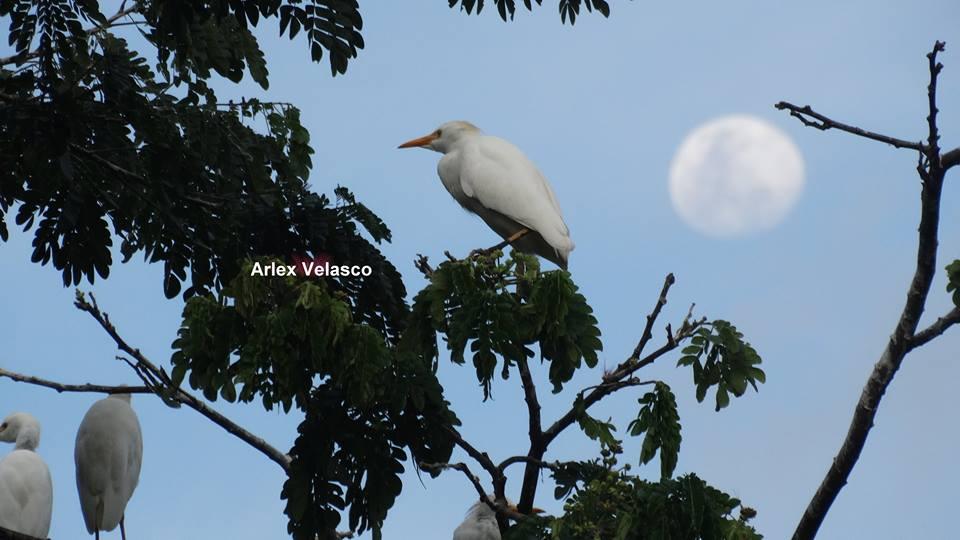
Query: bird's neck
point(28, 438)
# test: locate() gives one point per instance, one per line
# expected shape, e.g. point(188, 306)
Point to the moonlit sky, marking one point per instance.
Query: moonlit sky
point(601, 108)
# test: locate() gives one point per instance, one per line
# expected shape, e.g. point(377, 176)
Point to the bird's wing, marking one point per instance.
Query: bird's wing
point(477, 530)
point(26, 494)
point(497, 175)
point(92, 471)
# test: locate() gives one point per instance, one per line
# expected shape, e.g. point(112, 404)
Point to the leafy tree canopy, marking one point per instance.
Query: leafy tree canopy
point(102, 144)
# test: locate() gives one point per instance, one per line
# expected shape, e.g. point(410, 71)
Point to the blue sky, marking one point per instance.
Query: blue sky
point(601, 108)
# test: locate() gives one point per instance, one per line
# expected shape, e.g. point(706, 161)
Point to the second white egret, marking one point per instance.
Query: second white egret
point(493, 179)
point(26, 490)
point(481, 522)
point(108, 454)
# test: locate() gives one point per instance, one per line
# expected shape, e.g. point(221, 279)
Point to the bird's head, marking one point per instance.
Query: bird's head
point(445, 137)
point(22, 429)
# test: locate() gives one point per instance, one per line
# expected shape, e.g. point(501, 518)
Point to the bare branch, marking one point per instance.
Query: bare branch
point(60, 387)
point(933, 133)
point(622, 375)
point(552, 465)
point(821, 122)
point(462, 467)
point(950, 159)
point(934, 330)
point(652, 317)
point(904, 337)
point(537, 448)
point(499, 508)
point(423, 265)
point(499, 480)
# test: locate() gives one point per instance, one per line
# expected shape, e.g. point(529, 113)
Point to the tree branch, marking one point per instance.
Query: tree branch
point(499, 480)
point(529, 487)
point(821, 122)
point(950, 159)
point(500, 509)
point(612, 381)
point(60, 387)
point(904, 337)
point(926, 335)
point(552, 465)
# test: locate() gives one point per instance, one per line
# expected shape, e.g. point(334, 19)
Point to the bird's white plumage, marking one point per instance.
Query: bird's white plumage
point(480, 524)
point(26, 489)
point(493, 179)
point(108, 455)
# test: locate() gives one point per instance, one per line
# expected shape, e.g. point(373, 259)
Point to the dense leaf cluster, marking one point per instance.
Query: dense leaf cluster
point(104, 143)
point(293, 342)
point(606, 503)
point(471, 301)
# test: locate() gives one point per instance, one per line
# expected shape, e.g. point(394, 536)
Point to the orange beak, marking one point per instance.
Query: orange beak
point(422, 141)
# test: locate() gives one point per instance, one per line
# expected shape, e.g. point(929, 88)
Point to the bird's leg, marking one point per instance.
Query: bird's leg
point(123, 531)
point(508, 241)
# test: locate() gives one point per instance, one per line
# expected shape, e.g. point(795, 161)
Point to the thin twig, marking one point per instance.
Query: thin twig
point(937, 328)
point(552, 465)
point(61, 387)
point(652, 317)
point(626, 369)
point(500, 509)
point(823, 123)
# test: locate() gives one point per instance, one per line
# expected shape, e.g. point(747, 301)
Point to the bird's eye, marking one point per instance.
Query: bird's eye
point(3, 426)
point(438, 133)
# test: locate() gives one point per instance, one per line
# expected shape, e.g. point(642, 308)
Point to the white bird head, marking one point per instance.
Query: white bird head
point(22, 429)
point(481, 509)
point(445, 137)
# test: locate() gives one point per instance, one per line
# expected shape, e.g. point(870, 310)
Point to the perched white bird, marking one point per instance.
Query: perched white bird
point(481, 522)
point(108, 455)
point(494, 179)
point(26, 491)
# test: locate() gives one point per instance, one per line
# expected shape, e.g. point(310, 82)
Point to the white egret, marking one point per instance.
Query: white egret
point(26, 490)
point(108, 455)
point(481, 522)
point(495, 180)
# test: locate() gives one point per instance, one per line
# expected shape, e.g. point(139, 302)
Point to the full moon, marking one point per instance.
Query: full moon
point(735, 175)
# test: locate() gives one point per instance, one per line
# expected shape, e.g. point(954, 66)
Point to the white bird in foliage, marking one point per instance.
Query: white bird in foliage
point(495, 180)
point(481, 522)
point(108, 455)
point(26, 490)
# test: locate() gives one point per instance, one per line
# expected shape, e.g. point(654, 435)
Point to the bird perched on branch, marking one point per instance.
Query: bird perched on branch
point(481, 522)
point(108, 454)
point(493, 179)
point(26, 490)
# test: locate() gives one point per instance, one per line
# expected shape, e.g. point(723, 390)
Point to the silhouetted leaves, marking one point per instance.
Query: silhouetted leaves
point(569, 9)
